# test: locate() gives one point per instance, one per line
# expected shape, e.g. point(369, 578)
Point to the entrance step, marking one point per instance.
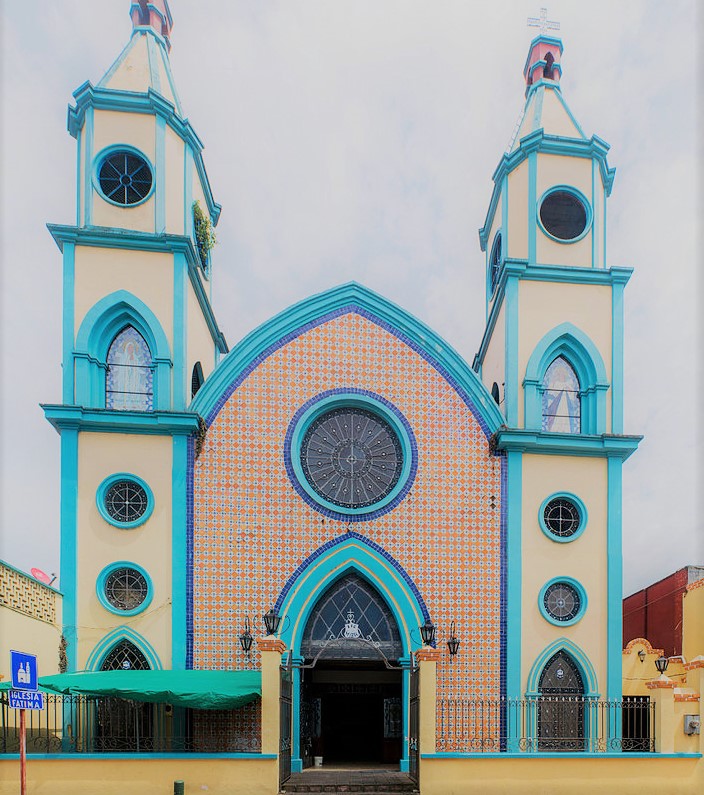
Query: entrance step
point(353, 782)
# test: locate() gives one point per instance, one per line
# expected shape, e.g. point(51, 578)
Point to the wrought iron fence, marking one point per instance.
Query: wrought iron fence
point(546, 724)
point(85, 724)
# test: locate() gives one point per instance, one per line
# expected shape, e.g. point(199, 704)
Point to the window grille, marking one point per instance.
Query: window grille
point(126, 588)
point(562, 517)
point(126, 501)
point(125, 178)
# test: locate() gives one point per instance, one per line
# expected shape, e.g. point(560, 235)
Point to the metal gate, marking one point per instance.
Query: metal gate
point(413, 726)
point(285, 713)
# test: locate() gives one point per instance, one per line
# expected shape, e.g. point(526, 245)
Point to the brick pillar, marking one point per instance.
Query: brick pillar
point(662, 693)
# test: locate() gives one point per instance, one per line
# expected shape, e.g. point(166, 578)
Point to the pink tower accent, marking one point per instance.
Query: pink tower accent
point(154, 14)
point(543, 61)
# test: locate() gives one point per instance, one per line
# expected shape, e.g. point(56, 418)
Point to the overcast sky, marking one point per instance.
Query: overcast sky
point(356, 140)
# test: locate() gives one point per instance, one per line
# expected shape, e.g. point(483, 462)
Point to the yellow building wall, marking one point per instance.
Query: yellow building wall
point(494, 365)
point(174, 175)
point(200, 346)
point(543, 306)
point(517, 232)
point(133, 74)
point(100, 543)
point(30, 620)
point(544, 559)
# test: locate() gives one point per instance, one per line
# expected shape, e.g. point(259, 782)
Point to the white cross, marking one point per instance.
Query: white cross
point(542, 22)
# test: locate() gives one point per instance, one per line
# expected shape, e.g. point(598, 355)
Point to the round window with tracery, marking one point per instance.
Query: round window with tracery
point(125, 177)
point(561, 518)
point(126, 589)
point(126, 501)
point(563, 601)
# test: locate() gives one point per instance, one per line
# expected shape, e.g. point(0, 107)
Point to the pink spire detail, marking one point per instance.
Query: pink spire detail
point(154, 14)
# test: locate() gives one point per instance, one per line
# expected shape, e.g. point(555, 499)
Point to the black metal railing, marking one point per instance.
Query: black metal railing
point(546, 724)
point(85, 724)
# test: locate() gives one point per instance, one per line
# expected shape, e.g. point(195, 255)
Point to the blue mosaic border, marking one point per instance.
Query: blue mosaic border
point(190, 463)
point(350, 517)
point(503, 617)
point(334, 542)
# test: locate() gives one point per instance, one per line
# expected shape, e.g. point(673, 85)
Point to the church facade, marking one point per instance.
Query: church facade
point(342, 470)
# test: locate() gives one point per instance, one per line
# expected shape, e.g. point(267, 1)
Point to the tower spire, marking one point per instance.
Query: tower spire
point(154, 14)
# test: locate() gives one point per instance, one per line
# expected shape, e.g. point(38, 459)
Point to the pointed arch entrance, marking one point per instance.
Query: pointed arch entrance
point(358, 687)
point(561, 705)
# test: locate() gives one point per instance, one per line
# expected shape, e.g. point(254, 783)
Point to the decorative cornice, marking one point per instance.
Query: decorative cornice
point(154, 423)
point(646, 647)
point(271, 644)
point(544, 442)
point(661, 683)
point(428, 654)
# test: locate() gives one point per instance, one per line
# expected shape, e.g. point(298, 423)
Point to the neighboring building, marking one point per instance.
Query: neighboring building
point(342, 469)
point(655, 612)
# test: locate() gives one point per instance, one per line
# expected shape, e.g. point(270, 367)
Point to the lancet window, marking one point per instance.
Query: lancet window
point(561, 398)
point(129, 382)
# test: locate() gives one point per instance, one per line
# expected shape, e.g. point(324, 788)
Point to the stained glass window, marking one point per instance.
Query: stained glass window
point(129, 378)
point(561, 398)
point(126, 501)
point(352, 621)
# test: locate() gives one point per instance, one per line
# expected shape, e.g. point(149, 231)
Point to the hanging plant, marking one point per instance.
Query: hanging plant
point(204, 232)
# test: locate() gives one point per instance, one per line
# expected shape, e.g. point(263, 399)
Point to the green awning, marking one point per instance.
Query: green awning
point(196, 689)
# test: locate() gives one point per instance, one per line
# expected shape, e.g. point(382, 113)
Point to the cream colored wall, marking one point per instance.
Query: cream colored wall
point(495, 226)
point(693, 622)
point(147, 275)
point(174, 183)
point(100, 543)
point(518, 212)
point(493, 368)
point(134, 129)
point(200, 346)
point(554, 118)
point(544, 559)
point(133, 73)
point(545, 305)
point(560, 170)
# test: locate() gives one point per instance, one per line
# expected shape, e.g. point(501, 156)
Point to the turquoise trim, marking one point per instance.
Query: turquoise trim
point(574, 345)
point(97, 331)
point(595, 219)
point(179, 518)
point(153, 423)
point(86, 757)
point(514, 576)
point(617, 377)
point(98, 162)
point(88, 168)
point(614, 575)
point(352, 296)
point(170, 78)
point(152, 56)
point(188, 194)
point(100, 588)
point(574, 121)
point(117, 63)
point(511, 353)
point(68, 323)
point(369, 403)
point(581, 509)
point(100, 500)
point(532, 206)
point(539, 91)
point(79, 139)
point(108, 237)
point(579, 658)
point(548, 443)
point(180, 333)
point(89, 97)
point(582, 598)
point(105, 646)
point(159, 177)
point(69, 547)
point(578, 195)
point(566, 755)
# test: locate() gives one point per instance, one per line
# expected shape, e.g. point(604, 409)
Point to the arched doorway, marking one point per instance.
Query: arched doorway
point(561, 713)
point(351, 687)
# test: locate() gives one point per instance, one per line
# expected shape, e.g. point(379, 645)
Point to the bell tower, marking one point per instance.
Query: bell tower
point(139, 336)
point(552, 358)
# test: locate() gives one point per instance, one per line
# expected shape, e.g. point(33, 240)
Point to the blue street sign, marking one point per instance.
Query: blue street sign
point(24, 670)
point(26, 699)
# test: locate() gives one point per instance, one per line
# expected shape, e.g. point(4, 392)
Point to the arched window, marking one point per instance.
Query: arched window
point(547, 70)
point(129, 378)
point(125, 656)
point(561, 398)
point(561, 711)
point(196, 378)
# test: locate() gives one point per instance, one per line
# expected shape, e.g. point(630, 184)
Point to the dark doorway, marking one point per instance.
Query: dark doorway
point(561, 715)
point(351, 714)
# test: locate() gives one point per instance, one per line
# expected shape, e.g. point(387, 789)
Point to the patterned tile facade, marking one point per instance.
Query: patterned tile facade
point(249, 529)
point(26, 595)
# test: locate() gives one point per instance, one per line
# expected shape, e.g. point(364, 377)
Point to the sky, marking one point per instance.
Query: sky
point(357, 141)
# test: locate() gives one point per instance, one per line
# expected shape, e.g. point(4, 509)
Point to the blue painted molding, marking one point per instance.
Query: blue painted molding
point(89, 97)
point(614, 576)
point(579, 351)
point(160, 176)
point(514, 576)
point(102, 491)
point(69, 545)
point(179, 519)
point(351, 297)
point(583, 601)
point(512, 336)
point(109, 237)
point(548, 443)
point(88, 168)
point(617, 377)
point(156, 423)
point(104, 646)
point(180, 397)
point(100, 588)
point(581, 510)
point(580, 658)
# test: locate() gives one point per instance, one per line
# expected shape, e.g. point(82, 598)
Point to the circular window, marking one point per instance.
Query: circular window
point(495, 262)
point(565, 214)
point(125, 177)
point(124, 500)
point(350, 455)
point(562, 601)
point(562, 517)
point(124, 588)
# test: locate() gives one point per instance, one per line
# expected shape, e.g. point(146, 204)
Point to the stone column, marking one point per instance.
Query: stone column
point(662, 693)
point(427, 659)
point(271, 650)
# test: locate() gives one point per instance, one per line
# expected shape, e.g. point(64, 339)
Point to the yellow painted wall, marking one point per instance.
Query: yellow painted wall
point(554, 118)
point(133, 73)
point(576, 172)
point(693, 622)
point(544, 559)
point(134, 129)
point(101, 271)
point(518, 212)
point(543, 306)
point(200, 346)
point(109, 776)
point(174, 183)
point(559, 774)
point(100, 543)
point(493, 368)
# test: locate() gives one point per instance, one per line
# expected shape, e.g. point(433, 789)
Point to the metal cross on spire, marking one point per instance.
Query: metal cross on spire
point(542, 22)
